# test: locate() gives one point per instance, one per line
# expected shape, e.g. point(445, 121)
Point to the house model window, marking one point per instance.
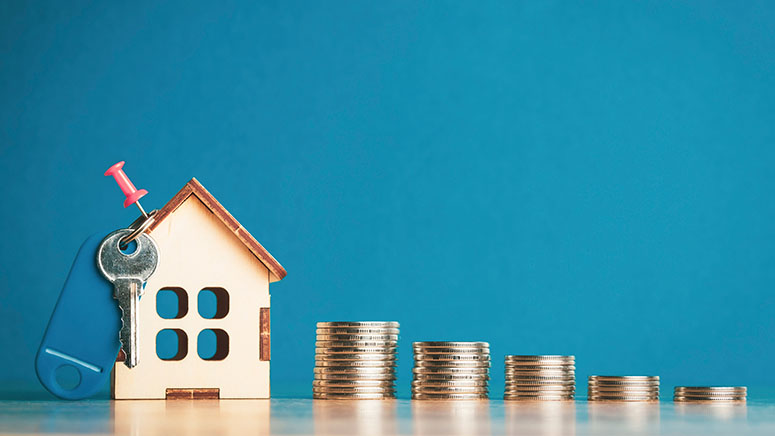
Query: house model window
point(213, 303)
point(172, 303)
point(211, 343)
point(204, 319)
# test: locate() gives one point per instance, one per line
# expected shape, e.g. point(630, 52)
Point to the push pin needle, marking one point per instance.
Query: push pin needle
point(133, 195)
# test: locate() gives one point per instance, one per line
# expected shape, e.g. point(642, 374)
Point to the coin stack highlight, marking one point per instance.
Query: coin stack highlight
point(355, 360)
point(451, 370)
point(633, 388)
point(704, 394)
point(540, 378)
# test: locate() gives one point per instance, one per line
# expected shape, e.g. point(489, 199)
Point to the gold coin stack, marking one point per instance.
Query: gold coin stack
point(540, 378)
point(704, 394)
point(355, 360)
point(451, 370)
point(632, 388)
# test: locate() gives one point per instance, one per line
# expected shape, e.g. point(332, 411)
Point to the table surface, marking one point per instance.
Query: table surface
point(305, 416)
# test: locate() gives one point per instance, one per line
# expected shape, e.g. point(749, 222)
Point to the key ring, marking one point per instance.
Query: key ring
point(138, 226)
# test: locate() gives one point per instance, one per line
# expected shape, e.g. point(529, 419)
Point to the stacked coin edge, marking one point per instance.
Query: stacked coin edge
point(539, 378)
point(623, 388)
point(448, 370)
point(355, 360)
point(709, 394)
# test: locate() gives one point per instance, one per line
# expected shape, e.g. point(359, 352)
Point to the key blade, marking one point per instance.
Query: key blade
point(128, 272)
point(127, 292)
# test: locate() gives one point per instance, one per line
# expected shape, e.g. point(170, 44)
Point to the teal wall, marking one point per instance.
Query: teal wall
point(593, 179)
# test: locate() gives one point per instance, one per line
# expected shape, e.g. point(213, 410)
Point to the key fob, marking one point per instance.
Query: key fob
point(83, 329)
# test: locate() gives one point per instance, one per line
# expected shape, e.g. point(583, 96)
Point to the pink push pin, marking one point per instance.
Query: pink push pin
point(132, 194)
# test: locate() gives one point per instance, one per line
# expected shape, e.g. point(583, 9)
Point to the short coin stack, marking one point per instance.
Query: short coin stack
point(355, 360)
point(451, 370)
point(540, 378)
point(623, 388)
point(702, 394)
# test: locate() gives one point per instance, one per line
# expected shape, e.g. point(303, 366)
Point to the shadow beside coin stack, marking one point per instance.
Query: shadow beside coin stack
point(451, 370)
point(355, 360)
point(540, 378)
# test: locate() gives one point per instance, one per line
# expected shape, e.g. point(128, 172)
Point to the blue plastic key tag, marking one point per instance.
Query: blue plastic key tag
point(83, 330)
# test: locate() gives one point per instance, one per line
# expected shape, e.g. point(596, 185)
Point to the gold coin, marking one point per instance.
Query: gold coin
point(624, 378)
point(623, 388)
point(538, 378)
point(451, 357)
point(351, 396)
point(356, 356)
point(535, 388)
point(541, 373)
point(450, 370)
point(446, 344)
point(449, 389)
point(356, 350)
point(451, 364)
point(539, 358)
point(353, 383)
point(356, 363)
point(450, 377)
point(452, 383)
point(510, 397)
point(385, 377)
point(354, 389)
point(459, 350)
point(356, 331)
point(710, 389)
point(383, 324)
point(570, 368)
point(528, 383)
point(624, 398)
point(424, 396)
point(354, 370)
point(358, 344)
point(339, 337)
point(729, 399)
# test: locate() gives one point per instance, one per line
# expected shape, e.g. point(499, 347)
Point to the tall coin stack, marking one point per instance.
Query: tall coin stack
point(635, 388)
point(451, 370)
point(702, 394)
point(355, 360)
point(540, 378)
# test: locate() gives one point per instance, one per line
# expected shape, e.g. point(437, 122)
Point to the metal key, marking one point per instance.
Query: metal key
point(128, 273)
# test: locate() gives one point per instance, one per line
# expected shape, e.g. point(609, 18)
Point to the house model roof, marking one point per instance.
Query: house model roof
point(193, 187)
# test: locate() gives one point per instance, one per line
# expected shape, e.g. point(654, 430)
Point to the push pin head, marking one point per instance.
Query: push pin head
point(132, 194)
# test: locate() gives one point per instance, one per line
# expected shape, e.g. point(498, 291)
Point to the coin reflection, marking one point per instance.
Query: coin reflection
point(624, 418)
point(453, 417)
point(350, 417)
point(198, 417)
point(718, 411)
point(540, 417)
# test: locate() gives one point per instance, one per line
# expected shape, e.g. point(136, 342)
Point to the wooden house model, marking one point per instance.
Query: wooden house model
point(204, 252)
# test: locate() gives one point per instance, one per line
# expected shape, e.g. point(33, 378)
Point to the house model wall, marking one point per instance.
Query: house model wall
point(204, 248)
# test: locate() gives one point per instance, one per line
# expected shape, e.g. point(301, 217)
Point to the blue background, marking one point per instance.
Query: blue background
point(594, 180)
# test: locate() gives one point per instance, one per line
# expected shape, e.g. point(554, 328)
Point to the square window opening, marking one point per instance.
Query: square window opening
point(172, 303)
point(213, 303)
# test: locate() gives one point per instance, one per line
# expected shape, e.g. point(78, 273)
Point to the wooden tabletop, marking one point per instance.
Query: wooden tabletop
point(304, 416)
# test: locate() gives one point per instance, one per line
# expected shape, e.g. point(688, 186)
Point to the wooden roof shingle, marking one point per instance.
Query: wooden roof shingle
point(193, 187)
